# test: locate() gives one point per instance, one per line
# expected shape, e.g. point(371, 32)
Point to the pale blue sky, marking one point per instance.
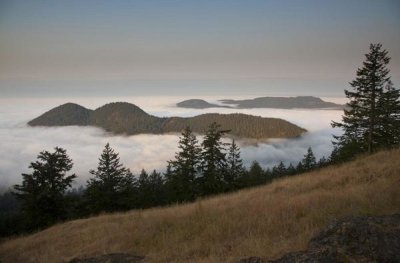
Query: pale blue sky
point(190, 47)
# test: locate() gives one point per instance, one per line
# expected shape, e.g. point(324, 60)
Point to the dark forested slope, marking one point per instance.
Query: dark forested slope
point(126, 118)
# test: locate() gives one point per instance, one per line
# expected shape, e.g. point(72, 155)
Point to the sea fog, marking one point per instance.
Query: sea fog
point(21, 143)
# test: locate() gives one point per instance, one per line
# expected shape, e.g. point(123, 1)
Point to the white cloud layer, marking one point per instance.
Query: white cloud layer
point(21, 144)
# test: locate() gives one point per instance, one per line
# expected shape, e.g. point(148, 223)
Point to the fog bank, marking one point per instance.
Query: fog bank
point(21, 144)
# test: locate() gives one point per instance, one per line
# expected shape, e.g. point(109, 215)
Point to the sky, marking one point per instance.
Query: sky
point(57, 48)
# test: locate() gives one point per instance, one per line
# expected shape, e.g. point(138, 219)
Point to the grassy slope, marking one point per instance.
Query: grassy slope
point(265, 221)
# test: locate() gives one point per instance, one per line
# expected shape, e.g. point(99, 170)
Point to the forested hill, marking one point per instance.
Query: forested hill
point(299, 102)
point(126, 118)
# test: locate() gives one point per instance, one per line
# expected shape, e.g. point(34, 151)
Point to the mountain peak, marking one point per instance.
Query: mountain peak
point(63, 115)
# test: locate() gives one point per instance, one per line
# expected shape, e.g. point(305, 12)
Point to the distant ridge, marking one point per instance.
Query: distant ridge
point(198, 104)
point(129, 119)
point(299, 102)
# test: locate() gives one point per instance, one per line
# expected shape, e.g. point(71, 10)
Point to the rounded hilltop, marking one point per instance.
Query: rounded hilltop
point(63, 115)
point(129, 119)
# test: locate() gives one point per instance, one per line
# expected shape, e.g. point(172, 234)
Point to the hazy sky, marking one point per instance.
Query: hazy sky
point(190, 47)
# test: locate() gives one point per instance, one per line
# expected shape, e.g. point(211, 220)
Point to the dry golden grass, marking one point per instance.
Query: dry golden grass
point(266, 221)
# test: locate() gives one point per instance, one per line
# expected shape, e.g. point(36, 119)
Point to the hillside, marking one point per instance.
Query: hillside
point(126, 118)
point(267, 221)
point(299, 102)
point(66, 114)
point(197, 104)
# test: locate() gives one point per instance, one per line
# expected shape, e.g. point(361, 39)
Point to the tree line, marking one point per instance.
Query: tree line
point(198, 170)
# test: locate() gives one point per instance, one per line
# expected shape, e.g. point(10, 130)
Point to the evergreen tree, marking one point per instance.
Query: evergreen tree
point(322, 162)
point(362, 117)
point(145, 193)
point(291, 170)
point(235, 167)
point(279, 170)
point(42, 191)
point(268, 175)
point(213, 161)
point(128, 195)
point(156, 185)
point(183, 170)
point(110, 185)
point(300, 168)
point(255, 175)
point(309, 162)
point(389, 105)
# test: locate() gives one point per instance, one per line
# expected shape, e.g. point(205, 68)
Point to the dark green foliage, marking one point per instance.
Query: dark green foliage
point(234, 169)
point(389, 128)
point(42, 191)
point(269, 176)
point(291, 170)
point(309, 162)
point(213, 161)
point(300, 168)
point(279, 170)
point(371, 119)
point(183, 171)
point(255, 176)
point(322, 162)
point(345, 152)
point(77, 203)
point(156, 189)
point(8, 202)
point(11, 220)
point(111, 184)
point(144, 190)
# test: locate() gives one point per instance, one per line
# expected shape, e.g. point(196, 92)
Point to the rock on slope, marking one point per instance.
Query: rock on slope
point(353, 239)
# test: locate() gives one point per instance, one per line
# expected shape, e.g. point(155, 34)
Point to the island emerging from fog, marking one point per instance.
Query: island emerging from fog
point(299, 102)
point(129, 119)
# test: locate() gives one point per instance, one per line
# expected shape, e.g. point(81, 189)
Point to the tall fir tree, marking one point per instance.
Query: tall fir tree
point(362, 117)
point(255, 175)
point(299, 168)
point(235, 167)
point(182, 178)
point(309, 161)
point(389, 128)
point(268, 175)
point(42, 191)
point(279, 170)
point(156, 184)
point(144, 190)
point(291, 170)
point(110, 184)
point(213, 161)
